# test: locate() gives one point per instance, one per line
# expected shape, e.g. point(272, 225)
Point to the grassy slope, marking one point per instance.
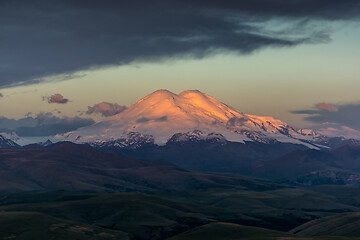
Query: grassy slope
point(34, 226)
point(281, 209)
point(143, 216)
point(229, 231)
point(345, 224)
point(150, 217)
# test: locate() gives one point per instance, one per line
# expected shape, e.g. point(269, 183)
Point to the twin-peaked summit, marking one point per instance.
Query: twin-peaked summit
point(162, 114)
point(190, 107)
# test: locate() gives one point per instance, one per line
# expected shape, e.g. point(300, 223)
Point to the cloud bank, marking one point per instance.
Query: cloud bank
point(347, 115)
point(340, 131)
point(42, 124)
point(43, 38)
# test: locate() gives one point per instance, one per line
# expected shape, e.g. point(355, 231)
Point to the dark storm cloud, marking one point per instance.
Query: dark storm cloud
point(346, 114)
point(40, 38)
point(43, 124)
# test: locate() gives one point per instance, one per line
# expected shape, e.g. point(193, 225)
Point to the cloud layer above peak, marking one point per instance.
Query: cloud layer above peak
point(43, 38)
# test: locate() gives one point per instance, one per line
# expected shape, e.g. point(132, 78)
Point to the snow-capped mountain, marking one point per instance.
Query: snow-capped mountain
point(22, 141)
point(11, 136)
point(46, 143)
point(7, 143)
point(163, 116)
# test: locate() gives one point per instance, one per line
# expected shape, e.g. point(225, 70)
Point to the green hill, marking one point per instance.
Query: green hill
point(35, 226)
point(66, 215)
point(229, 231)
point(345, 224)
point(139, 215)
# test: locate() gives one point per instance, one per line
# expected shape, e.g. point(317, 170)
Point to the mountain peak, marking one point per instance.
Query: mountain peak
point(190, 92)
point(7, 143)
point(161, 93)
point(166, 94)
point(162, 114)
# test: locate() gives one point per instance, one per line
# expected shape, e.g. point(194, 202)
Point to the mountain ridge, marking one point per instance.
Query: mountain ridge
point(7, 143)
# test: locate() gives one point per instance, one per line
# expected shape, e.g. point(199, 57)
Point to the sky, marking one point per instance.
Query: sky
point(65, 64)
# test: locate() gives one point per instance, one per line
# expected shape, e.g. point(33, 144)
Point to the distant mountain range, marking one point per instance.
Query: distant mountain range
point(191, 131)
point(7, 143)
point(70, 166)
point(310, 167)
point(175, 166)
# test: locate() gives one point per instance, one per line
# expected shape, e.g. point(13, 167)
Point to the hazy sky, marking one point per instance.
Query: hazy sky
point(295, 60)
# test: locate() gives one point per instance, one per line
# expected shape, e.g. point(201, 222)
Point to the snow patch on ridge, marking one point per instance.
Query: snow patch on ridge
point(197, 135)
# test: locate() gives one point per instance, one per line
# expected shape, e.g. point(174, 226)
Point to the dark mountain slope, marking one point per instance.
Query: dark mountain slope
point(214, 156)
point(82, 168)
point(7, 143)
point(311, 167)
point(296, 163)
